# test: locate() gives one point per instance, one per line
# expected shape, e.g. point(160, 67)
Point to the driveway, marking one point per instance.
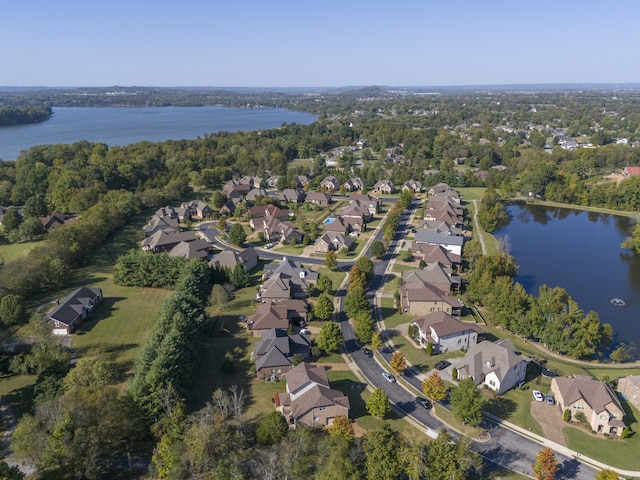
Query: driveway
point(550, 420)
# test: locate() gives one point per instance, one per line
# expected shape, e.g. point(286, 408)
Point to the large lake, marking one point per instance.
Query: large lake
point(127, 125)
point(580, 252)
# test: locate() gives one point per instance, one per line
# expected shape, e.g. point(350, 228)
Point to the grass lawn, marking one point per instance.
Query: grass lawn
point(400, 267)
point(336, 277)
point(391, 316)
point(292, 249)
point(392, 284)
point(17, 391)
point(472, 193)
point(514, 406)
point(359, 244)
point(11, 251)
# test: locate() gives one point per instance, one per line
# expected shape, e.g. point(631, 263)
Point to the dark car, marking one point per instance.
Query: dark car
point(367, 352)
point(424, 402)
point(548, 373)
point(441, 365)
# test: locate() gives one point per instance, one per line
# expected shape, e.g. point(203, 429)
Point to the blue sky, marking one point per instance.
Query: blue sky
point(305, 43)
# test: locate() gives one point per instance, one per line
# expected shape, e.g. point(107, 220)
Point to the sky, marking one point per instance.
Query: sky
point(312, 43)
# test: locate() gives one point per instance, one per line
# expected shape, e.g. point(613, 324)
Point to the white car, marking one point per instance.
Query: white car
point(268, 245)
point(353, 234)
point(390, 378)
point(538, 396)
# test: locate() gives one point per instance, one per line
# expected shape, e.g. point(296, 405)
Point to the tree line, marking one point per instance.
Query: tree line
point(22, 115)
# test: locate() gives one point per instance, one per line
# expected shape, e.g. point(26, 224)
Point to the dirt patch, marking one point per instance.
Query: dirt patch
point(549, 417)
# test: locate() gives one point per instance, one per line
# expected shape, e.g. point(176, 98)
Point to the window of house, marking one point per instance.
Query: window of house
point(316, 418)
point(322, 409)
point(56, 323)
point(603, 417)
point(492, 383)
point(459, 341)
point(279, 370)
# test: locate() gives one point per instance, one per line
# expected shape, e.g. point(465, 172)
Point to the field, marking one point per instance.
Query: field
point(11, 251)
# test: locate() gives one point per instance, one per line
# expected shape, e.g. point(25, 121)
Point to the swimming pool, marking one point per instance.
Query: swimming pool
point(328, 220)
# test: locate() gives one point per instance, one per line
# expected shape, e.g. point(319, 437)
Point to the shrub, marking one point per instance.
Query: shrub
point(430, 352)
point(566, 416)
point(454, 373)
point(626, 432)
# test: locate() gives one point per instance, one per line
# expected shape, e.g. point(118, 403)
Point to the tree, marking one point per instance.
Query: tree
point(398, 362)
point(447, 459)
point(356, 301)
point(406, 256)
point(466, 403)
point(341, 427)
point(219, 297)
point(239, 276)
point(12, 310)
point(331, 260)
point(378, 249)
point(272, 429)
point(323, 310)
point(378, 404)
point(622, 353)
point(366, 266)
point(434, 387)
point(546, 465)
point(357, 278)
point(218, 199)
point(376, 341)
point(11, 220)
point(90, 371)
point(325, 285)
point(237, 235)
point(607, 474)
point(381, 448)
point(364, 327)
point(330, 337)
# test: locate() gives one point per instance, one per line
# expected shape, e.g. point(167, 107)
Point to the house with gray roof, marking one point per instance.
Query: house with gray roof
point(274, 353)
point(384, 186)
point(496, 365)
point(594, 399)
point(163, 242)
point(445, 332)
point(230, 258)
point(437, 275)
point(291, 195)
point(451, 243)
point(318, 198)
point(197, 209)
point(198, 248)
point(372, 203)
point(412, 185)
point(167, 224)
point(65, 318)
point(333, 241)
point(309, 400)
point(354, 184)
point(288, 280)
point(255, 193)
point(330, 183)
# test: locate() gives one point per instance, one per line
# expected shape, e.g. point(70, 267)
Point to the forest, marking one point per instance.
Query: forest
point(21, 115)
point(83, 424)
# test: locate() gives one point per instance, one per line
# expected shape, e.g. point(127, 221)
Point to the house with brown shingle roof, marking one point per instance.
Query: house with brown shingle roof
point(274, 353)
point(369, 201)
point(198, 248)
point(595, 399)
point(496, 365)
point(309, 400)
point(279, 314)
point(445, 332)
point(53, 222)
point(163, 242)
point(260, 213)
point(288, 280)
point(437, 275)
point(318, 198)
point(431, 254)
point(629, 387)
point(421, 298)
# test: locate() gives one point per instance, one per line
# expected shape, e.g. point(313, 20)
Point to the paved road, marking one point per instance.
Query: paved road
point(505, 448)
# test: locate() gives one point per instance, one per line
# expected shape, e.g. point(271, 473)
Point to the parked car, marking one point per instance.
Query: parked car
point(305, 331)
point(424, 402)
point(549, 399)
point(537, 395)
point(441, 365)
point(268, 245)
point(548, 373)
point(367, 352)
point(390, 378)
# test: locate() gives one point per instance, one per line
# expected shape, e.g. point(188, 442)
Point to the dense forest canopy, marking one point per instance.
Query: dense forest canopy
point(20, 115)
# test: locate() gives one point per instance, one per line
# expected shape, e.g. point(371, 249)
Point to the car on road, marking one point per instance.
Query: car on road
point(390, 378)
point(549, 399)
point(441, 365)
point(269, 245)
point(367, 352)
point(424, 402)
point(537, 395)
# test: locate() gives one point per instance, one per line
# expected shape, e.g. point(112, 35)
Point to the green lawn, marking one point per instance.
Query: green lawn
point(471, 193)
point(11, 251)
point(336, 277)
point(400, 267)
point(392, 284)
point(514, 406)
point(391, 316)
point(17, 391)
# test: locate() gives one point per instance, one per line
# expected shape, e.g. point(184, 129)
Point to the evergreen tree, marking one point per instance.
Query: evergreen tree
point(330, 337)
point(466, 403)
point(323, 310)
point(239, 276)
point(378, 404)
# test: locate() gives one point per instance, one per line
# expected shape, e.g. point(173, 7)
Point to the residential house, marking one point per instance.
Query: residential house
point(291, 195)
point(253, 182)
point(445, 332)
point(330, 184)
point(255, 193)
point(260, 213)
point(412, 185)
point(163, 242)
point(236, 191)
point(230, 206)
point(277, 231)
point(198, 248)
point(629, 388)
point(431, 254)
point(442, 190)
point(451, 243)
point(302, 181)
point(481, 175)
point(420, 298)
point(338, 225)
point(440, 226)
point(230, 258)
point(197, 209)
point(436, 275)
point(167, 224)
point(54, 221)
point(333, 241)
point(595, 399)
point(384, 186)
point(309, 400)
point(318, 198)
point(288, 280)
point(281, 314)
point(274, 353)
point(65, 318)
point(369, 201)
point(170, 211)
point(358, 212)
point(496, 365)
point(354, 184)
point(272, 181)
point(631, 171)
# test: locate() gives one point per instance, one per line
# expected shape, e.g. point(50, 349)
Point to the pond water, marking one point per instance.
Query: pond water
point(579, 251)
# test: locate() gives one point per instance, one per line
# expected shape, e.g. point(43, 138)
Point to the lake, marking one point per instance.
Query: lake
point(580, 252)
point(127, 125)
